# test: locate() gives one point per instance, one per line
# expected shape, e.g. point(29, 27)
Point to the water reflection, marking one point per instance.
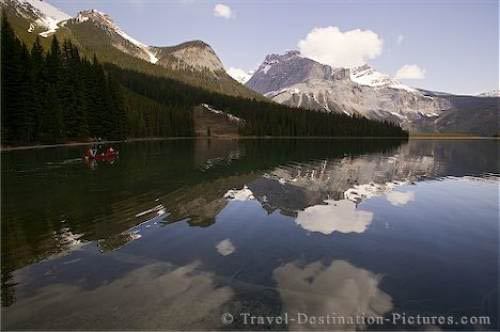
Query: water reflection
point(156, 296)
point(338, 289)
point(225, 247)
point(117, 241)
point(398, 198)
point(335, 216)
point(262, 226)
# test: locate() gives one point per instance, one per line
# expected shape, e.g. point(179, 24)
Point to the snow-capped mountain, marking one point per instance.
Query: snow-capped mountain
point(492, 93)
point(40, 13)
point(298, 81)
point(301, 82)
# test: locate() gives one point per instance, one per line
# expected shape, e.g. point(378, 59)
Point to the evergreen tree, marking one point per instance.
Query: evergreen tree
point(28, 107)
point(52, 122)
point(39, 85)
point(54, 63)
point(11, 71)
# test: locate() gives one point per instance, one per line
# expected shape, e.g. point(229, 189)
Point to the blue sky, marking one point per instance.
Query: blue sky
point(450, 46)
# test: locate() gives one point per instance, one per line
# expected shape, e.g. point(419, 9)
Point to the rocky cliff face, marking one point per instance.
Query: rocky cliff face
point(281, 71)
point(195, 54)
point(296, 81)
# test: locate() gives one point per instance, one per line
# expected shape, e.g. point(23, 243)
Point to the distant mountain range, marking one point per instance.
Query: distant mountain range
point(301, 82)
point(289, 79)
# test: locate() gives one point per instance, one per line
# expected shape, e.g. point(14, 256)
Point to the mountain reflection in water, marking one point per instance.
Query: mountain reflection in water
point(176, 233)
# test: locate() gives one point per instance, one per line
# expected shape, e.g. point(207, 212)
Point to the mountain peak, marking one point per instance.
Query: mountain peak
point(193, 43)
point(275, 58)
point(282, 70)
point(94, 14)
point(196, 54)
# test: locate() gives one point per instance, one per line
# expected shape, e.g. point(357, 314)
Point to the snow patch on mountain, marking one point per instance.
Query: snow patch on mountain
point(145, 48)
point(227, 115)
point(366, 75)
point(44, 14)
point(239, 74)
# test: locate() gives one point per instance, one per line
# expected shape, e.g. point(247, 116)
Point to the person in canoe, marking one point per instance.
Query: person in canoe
point(93, 153)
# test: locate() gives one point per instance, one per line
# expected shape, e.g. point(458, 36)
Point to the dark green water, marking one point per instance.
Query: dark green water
point(175, 234)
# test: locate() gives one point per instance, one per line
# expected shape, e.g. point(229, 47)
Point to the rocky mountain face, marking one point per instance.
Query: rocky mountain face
point(195, 54)
point(118, 37)
point(301, 82)
point(192, 55)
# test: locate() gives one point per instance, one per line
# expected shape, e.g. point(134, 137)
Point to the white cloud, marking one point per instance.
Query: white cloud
point(221, 10)
point(398, 198)
point(400, 39)
point(239, 74)
point(410, 72)
point(333, 47)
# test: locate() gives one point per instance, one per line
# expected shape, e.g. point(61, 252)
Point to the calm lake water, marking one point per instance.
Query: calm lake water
point(207, 234)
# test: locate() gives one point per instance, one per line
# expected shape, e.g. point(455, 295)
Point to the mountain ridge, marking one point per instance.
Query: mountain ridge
point(95, 32)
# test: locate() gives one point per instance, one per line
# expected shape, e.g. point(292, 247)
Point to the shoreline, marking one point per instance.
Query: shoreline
point(146, 139)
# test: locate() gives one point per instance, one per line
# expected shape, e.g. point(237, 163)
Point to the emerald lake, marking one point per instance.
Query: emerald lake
point(208, 234)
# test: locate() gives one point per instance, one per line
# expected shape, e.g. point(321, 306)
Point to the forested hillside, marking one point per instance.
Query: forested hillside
point(54, 96)
point(261, 118)
point(59, 96)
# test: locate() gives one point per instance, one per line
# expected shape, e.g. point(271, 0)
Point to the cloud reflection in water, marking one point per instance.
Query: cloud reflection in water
point(336, 216)
point(339, 289)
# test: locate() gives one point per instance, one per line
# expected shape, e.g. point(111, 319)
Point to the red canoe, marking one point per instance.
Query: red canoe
point(110, 154)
